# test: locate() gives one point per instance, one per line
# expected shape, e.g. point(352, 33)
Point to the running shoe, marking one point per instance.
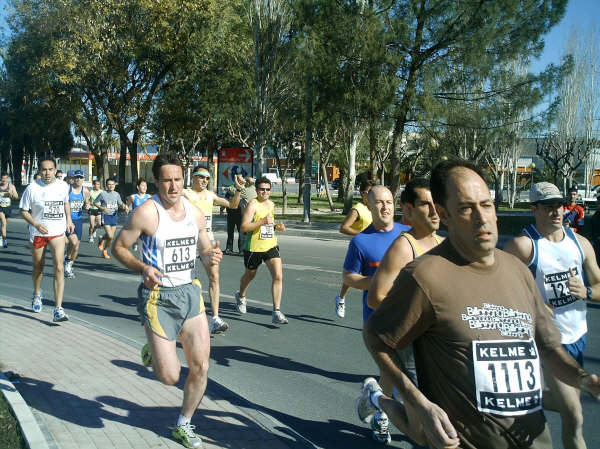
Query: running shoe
point(91, 240)
point(69, 270)
point(36, 303)
point(101, 245)
point(105, 254)
point(146, 355)
point(279, 317)
point(1, 242)
point(364, 406)
point(185, 435)
point(340, 306)
point(380, 425)
point(59, 315)
point(4, 243)
point(94, 234)
point(217, 325)
point(240, 302)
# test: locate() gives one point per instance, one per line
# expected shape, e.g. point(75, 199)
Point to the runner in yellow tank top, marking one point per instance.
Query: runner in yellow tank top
point(419, 210)
point(358, 219)
point(204, 200)
point(258, 222)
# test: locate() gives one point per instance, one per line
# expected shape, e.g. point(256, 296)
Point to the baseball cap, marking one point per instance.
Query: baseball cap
point(78, 173)
point(70, 173)
point(545, 193)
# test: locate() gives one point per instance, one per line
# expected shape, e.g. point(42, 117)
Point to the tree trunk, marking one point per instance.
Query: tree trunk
point(354, 142)
point(372, 151)
point(327, 192)
point(124, 140)
point(133, 152)
point(308, 153)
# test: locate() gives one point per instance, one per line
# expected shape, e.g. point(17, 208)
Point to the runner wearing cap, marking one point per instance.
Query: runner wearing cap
point(50, 217)
point(7, 192)
point(204, 199)
point(79, 199)
point(566, 273)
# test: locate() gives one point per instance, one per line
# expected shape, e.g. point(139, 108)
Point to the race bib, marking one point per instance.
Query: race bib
point(208, 219)
point(54, 210)
point(4, 200)
point(179, 254)
point(266, 232)
point(507, 377)
point(557, 291)
point(77, 205)
point(111, 208)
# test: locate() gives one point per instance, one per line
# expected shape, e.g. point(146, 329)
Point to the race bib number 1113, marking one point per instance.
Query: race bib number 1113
point(507, 377)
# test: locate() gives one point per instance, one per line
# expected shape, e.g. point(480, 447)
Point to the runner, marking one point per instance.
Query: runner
point(50, 217)
point(109, 202)
point(7, 192)
point(260, 245)
point(204, 199)
point(560, 260)
point(419, 210)
point(573, 213)
point(79, 199)
point(137, 199)
point(357, 220)
point(170, 299)
point(477, 322)
point(362, 259)
point(70, 178)
point(94, 213)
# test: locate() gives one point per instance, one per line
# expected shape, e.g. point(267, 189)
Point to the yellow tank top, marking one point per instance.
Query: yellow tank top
point(417, 251)
point(262, 238)
point(364, 217)
point(205, 205)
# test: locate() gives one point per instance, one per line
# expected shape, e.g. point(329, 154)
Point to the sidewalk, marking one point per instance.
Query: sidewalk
point(87, 389)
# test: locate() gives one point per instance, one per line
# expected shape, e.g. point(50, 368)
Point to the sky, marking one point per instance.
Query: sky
point(580, 14)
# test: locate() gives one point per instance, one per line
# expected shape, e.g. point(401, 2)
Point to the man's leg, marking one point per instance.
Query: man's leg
point(245, 281)
point(230, 231)
point(565, 399)
point(274, 266)
point(91, 230)
point(73, 249)
point(217, 325)
point(37, 255)
point(57, 248)
point(3, 222)
point(109, 232)
point(241, 235)
point(165, 362)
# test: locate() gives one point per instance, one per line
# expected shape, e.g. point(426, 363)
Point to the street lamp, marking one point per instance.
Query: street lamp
point(532, 168)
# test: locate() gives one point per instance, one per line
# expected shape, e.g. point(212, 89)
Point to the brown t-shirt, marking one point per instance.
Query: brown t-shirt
point(472, 330)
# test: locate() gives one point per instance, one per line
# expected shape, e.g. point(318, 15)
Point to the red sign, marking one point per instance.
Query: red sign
point(240, 155)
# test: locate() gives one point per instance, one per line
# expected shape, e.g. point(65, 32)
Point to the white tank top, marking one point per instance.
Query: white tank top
point(550, 266)
point(172, 249)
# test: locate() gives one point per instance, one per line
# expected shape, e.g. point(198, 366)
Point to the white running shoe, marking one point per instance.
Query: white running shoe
point(69, 270)
point(240, 302)
point(279, 317)
point(340, 306)
point(217, 325)
point(364, 407)
point(94, 234)
point(4, 243)
point(380, 425)
point(91, 239)
point(59, 315)
point(36, 302)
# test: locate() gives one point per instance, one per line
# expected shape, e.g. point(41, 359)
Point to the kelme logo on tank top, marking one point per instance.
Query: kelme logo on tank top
point(508, 322)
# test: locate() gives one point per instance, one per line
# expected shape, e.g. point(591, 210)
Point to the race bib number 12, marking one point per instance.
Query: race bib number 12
point(507, 377)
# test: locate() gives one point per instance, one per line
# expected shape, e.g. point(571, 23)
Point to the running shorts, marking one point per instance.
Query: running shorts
point(252, 260)
point(166, 309)
point(577, 349)
point(110, 220)
point(39, 241)
point(5, 211)
point(94, 212)
point(78, 228)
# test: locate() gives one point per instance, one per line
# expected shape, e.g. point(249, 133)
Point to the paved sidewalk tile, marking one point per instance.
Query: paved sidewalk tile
point(91, 391)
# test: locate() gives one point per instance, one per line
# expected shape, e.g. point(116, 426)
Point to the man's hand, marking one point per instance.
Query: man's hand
point(437, 428)
point(125, 208)
point(215, 255)
point(152, 277)
point(268, 219)
point(70, 228)
point(280, 227)
point(41, 228)
point(591, 384)
point(239, 182)
point(575, 286)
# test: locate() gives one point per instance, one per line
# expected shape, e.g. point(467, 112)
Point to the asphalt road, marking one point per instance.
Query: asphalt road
point(306, 374)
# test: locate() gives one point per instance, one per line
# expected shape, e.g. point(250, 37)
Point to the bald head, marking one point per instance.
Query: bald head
point(377, 192)
point(381, 205)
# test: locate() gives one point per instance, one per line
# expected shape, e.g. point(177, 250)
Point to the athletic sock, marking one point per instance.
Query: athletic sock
point(182, 420)
point(375, 398)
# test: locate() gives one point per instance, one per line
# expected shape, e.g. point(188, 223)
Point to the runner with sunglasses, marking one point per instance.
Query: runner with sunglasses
point(260, 245)
point(204, 199)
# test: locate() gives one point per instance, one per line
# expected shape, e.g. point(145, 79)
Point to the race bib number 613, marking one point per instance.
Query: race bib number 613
point(507, 377)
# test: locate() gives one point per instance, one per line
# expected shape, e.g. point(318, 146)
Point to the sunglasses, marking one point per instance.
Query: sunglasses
point(263, 189)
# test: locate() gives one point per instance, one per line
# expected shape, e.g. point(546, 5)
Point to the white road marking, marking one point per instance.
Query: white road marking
point(290, 266)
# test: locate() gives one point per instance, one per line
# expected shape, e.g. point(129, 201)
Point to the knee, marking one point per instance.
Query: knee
point(277, 278)
point(199, 368)
point(59, 269)
point(168, 376)
point(572, 416)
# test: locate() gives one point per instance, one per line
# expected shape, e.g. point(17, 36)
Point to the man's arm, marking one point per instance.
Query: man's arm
point(247, 224)
point(520, 247)
point(350, 219)
point(129, 200)
point(396, 258)
point(235, 201)
point(210, 255)
point(592, 273)
point(143, 221)
point(566, 369)
point(12, 192)
point(70, 225)
point(356, 280)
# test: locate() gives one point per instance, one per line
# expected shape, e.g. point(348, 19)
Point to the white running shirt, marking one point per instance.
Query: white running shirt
point(550, 266)
point(47, 205)
point(172, 249)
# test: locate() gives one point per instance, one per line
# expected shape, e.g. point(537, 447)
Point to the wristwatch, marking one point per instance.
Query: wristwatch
point(589, 293)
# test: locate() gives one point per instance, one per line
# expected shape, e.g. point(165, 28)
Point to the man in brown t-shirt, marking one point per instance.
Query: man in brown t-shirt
point(479, 328)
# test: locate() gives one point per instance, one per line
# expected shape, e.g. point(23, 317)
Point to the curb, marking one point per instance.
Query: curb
point(34, 438)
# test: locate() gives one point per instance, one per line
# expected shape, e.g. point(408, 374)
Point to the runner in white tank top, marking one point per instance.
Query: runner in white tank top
point(566, 273)
point(169, 299)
